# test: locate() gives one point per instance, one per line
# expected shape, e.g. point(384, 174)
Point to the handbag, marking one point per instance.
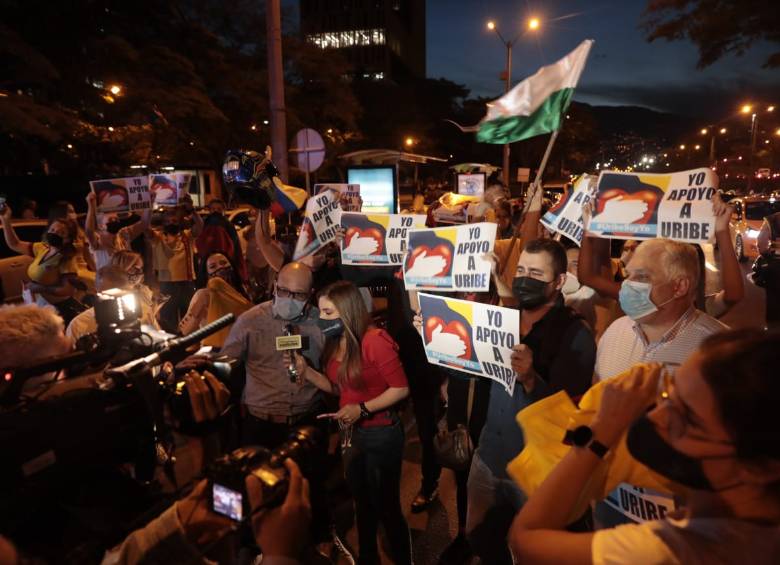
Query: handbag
point(454, 448)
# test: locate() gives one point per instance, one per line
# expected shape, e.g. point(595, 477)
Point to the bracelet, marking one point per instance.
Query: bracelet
point(364, 413)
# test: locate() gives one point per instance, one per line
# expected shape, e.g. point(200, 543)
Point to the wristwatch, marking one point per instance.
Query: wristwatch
point(582, 436)
point(364, 413)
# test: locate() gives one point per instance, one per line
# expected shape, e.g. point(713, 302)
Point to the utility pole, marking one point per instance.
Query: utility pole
point(753, 134)
point(278, 117)
point(506, 89)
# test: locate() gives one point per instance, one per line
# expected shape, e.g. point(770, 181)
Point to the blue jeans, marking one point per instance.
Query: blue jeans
point(374, 477)
point(492, 505)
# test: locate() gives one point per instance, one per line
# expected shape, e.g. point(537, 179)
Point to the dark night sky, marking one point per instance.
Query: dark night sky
point(623, 68)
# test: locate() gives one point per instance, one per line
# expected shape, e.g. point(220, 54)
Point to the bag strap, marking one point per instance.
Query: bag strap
point(470, 401)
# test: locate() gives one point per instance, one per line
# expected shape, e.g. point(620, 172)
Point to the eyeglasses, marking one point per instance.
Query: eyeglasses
point(282, 292)
point(681, 420)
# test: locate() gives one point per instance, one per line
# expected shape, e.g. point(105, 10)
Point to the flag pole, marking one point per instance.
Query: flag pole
point(530, 196)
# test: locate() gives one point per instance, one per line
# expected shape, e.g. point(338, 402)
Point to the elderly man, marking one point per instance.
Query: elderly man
point(661, 325)
point(275, 403)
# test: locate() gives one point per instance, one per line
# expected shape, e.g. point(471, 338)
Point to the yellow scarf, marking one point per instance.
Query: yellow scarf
point(544, 424)
point(223, 299)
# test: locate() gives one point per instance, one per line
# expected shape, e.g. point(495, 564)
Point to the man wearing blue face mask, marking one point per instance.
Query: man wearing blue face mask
point(274, 403)
point(661, 323)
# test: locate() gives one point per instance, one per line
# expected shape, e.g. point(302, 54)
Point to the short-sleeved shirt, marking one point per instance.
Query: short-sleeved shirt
point(568, 366)
point(47, 270)
point(104, 251)
point(381, 369)
point(268, 389)
point(624, 343)
point(694, 541)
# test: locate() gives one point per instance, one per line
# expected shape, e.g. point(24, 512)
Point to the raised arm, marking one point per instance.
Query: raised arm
point(90, 224)
point(529, 229)
point(731, 275)
point(269, 248)
point(11, 239)
point(593, 269)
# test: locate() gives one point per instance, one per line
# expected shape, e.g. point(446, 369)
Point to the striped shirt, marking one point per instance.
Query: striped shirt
point(624, 343)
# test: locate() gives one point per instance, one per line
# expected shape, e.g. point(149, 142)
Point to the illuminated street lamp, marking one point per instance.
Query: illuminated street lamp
point(704, 131)
point(746, 108)
point(409, 141)
point(682, 147)
point(723, 130)
point(533, 25)
point(115, 89)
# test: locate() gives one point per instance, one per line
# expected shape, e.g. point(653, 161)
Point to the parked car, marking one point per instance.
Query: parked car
point(749, 214)
point(13, 267)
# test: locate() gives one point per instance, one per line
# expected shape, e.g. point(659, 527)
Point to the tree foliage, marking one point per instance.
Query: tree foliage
point(717, 27)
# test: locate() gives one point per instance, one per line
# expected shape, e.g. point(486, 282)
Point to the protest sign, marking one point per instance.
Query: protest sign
point(116, 195)
point(323, 216)
point(470, 337)
point(565, 217)
point(640, 504)
point(376, 239)
point(168, 189)
point(450, 259)
point(349, 193)
point(643, 206)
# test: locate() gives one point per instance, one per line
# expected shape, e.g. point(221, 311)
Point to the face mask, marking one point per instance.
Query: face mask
point(571, 284)
point(648, 447)
point(113, 227)
point(635, 300)
point(529, 292)
point(331, 328)
point(172, 229)
point(225, 273)
point(135, 277)
point(54, 240)
point(287, 308)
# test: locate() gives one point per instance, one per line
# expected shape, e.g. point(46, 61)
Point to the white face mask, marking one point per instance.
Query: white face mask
point(571, 284)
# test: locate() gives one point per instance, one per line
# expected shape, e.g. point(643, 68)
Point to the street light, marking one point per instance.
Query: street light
point(746, 108)
point(533, 25)
point(723, 130)
point(409, 141)
point(682, 147)
point(704, 131)
point(115, 89)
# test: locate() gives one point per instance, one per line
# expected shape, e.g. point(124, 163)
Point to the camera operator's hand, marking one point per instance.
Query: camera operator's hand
point(201, 526)
point(300, 363)
point(282, 531)
point(208, 396)
point(193, 362)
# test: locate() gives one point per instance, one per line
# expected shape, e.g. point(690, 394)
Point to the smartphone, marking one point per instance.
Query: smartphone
point(227, 502)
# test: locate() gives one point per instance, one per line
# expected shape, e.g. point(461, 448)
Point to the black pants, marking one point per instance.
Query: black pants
point(424, 380)
point(457, 395)
point(175, 308)
point(374, 477)
point(271, 435)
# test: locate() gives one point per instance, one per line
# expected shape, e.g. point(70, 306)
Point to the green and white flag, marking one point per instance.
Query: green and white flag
point(536, 105)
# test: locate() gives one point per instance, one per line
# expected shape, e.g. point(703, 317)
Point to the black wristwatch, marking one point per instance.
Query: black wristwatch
point(364, 413)
point(582, 436)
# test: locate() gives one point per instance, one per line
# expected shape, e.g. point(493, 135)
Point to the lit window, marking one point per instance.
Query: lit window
point(350, 38)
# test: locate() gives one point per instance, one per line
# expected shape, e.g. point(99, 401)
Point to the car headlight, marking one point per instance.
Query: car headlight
point(753, 233)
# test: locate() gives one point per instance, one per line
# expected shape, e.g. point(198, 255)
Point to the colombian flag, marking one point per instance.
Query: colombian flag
point(287, 198)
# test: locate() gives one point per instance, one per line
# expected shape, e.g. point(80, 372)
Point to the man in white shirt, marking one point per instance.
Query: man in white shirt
point(661, 325)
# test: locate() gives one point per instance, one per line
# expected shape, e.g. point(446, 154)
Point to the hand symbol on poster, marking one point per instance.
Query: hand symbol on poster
point(425, 266)
point(361, 245)
point(620, 211)
point(446, 343)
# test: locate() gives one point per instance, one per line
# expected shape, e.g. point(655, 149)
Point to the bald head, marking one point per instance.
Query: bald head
point(295, 277)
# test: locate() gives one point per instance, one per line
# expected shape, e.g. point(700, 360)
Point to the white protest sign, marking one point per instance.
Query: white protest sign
point(644, 206)
point(565, 217)
point(350, 195)
point(376, 239)
point(470, 337)
point(640, 504)
point(323, 215)
point(450, 259)
point(114, 195)
point(168, 189)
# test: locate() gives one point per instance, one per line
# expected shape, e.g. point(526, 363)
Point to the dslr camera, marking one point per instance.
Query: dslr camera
point(227, 475)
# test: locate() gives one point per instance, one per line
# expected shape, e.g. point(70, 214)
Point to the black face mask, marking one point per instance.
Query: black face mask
point(225, 273)
point(331, 328)
point(113, 227)
point(529, 292)
point(648, 447)
point(54, 240)
point(172, 229)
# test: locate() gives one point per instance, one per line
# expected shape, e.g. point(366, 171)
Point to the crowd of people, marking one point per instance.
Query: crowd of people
point(691, 399)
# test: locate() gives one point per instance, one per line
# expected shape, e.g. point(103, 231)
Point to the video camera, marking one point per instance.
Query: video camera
point(227, 475)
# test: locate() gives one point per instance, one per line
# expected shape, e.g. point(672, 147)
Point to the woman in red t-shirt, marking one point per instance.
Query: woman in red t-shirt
point(362, 367)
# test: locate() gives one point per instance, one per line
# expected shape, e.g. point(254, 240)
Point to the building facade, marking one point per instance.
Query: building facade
point(382, 39)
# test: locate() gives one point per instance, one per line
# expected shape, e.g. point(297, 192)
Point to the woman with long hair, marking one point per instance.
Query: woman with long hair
point(224, 293)
point(361, 366)
point(52, 273)
point(710, 428)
